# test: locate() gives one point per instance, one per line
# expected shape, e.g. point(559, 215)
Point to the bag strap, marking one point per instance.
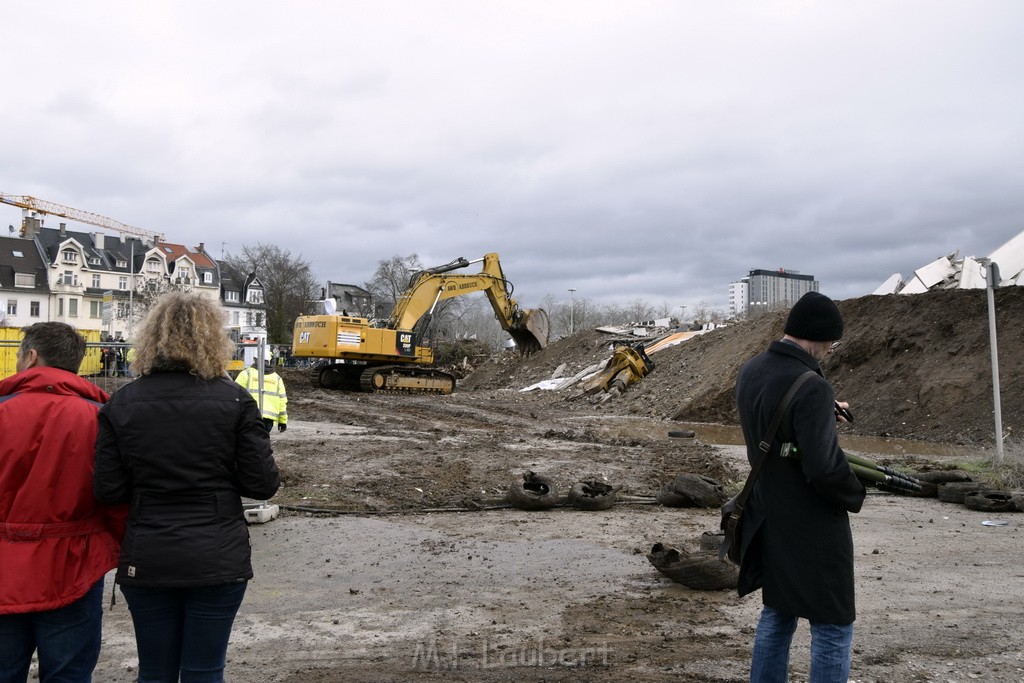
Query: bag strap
point(766, 443)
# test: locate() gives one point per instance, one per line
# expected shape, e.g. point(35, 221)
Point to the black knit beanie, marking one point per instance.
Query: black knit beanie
point(815, 317)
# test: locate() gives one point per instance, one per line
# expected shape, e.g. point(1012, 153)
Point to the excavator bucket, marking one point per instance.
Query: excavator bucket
point(530, 330)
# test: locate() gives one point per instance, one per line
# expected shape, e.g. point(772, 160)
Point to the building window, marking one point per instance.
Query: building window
point(207, 278)
point(33, 309)
point(94, 261)
point(153, 266)
point(12, 307)
point(259, 320)
point(95, 307)
point(122, 310)
point(122, 282)
point(72, 308)
point(255, 296)
point(17, 254)
point(60, 307)
point(69, 256)
point(122, 263)
point(24, 280)
point(96, 281)
point(234, 318)
point(70, 277)
point(230, 296)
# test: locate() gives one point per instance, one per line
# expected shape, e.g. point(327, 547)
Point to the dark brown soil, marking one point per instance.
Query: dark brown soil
point(913, 367)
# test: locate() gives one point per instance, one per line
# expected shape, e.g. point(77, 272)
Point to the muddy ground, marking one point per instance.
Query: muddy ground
point(394, 558)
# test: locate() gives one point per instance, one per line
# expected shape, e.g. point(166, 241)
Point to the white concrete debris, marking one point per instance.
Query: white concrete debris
point(891, 285)
point(952, 272)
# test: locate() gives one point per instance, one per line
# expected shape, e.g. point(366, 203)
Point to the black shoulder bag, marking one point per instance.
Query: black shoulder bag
point(732, 511)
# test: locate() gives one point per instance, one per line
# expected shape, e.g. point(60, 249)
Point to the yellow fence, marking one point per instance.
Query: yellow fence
point(10, 339)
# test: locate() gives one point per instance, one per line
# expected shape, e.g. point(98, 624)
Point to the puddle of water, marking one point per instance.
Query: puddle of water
point(727, 435)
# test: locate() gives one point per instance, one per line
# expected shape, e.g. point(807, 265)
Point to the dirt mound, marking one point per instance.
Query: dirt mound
point(915, 367)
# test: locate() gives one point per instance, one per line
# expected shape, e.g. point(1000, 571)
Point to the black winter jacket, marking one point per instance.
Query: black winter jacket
point(182, 450)
point(797, 544)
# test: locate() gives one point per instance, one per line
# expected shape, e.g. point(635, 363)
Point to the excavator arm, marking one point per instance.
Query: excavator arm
point(528, 327)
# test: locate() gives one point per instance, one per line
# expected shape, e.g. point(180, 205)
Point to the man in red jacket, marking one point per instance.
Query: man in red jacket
point(56, 540)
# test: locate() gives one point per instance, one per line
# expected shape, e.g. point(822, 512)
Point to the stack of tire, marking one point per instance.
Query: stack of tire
point(954, 486)
point(538, 492)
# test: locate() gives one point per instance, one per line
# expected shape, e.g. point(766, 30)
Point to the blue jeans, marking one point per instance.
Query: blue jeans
point(830, 649)
point(183, 630)
point(68, 640)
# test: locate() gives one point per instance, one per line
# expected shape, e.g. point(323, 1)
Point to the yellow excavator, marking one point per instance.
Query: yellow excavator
point(355, 354)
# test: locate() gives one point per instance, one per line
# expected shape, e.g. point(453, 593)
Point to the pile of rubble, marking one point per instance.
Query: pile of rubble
point(970, 272)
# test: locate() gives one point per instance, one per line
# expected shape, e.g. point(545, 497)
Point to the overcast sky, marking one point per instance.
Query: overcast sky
point(627, 149)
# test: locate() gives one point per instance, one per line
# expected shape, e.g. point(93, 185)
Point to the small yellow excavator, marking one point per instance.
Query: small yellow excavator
point(358, 356)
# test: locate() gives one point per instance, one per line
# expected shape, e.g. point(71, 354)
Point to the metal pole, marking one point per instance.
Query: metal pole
point(259, 365)
point(992, 275)
point(572, 309)
point(131, 290)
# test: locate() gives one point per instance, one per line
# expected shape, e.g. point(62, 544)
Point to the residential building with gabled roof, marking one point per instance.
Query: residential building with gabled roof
point(244, 303)
point(106, 283)
point(352, 299)
point(24, 289)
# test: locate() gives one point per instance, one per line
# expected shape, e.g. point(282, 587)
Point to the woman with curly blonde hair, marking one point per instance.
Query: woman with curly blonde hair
point(183, 328)
point(181, 444)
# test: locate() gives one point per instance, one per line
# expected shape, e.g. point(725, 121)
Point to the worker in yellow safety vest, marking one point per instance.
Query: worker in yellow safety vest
point(275, 400)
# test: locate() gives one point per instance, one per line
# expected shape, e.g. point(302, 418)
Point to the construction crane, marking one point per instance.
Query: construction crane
point(53, 209)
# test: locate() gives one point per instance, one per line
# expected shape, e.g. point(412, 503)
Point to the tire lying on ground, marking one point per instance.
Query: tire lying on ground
point(692, 491)
point(989, 501)
point(928, 490)
point(1018, 500)
point(592, 495)
point(712, 541)
point(941, 476)
point(954, 491)
point(700, 571)
point(534, 492)
point(931, 480)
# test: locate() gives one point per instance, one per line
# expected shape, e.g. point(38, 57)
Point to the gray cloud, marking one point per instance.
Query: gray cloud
point(630, 150)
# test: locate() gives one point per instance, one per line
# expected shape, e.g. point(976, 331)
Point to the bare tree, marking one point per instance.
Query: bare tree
point(288, 285)
point(568, 316)
point(704, 313)
point(390, 280)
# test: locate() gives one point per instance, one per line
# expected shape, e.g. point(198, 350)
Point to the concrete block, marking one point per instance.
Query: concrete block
point(890, 286)
point(936, 271)
point(914, 286)
point(261, 514)
point(972, 276)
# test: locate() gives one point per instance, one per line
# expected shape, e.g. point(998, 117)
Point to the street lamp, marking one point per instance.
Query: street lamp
point(572, 310)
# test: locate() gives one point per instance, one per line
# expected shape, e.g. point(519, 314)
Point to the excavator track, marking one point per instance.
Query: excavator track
point(336, 377)
point(406, 379)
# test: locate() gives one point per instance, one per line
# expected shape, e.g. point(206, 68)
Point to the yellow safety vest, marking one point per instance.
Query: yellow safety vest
point(275, 400)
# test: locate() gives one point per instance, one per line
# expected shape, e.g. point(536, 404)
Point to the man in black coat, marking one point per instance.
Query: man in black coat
point(796, 542)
